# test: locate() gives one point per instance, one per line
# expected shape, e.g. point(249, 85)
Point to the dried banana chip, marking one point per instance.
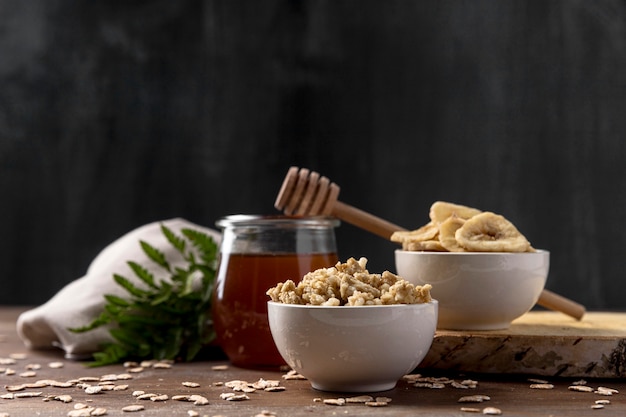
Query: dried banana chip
point(490, 232)
point(441, 210)
point(427, 232)
point(426, 245)
point(447, 231)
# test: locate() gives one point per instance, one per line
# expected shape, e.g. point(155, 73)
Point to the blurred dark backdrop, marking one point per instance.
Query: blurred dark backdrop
point(118, 113)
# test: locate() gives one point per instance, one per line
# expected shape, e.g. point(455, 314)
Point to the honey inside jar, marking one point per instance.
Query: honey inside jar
point(240, 303)
point(256, 253)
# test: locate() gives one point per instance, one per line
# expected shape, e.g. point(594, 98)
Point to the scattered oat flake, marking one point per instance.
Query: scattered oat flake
point(236, 383)
point(470, 383)
point(274, 389)
point(192, 413)
point(180, 397)
point(162, 365)
point(132, 408)
point(603, 402)
point(8, 396)
point(293, 375)
point(376, 403)
point(541, 386)
point(265, 383)
point(4, 414)
point(9, 371)
point(266, 413)
point(335, 401)
point(99, 411)
point(597, 406)
point(146, 396)
point(492, 411)
point(411, 377)
point(124, 377)
point(458, 385)
point(607, 390)
point(7, 361)
point(89, 379)
point(241, 386)
point(78, 406)
point(219, 367)
point(580, 388)
point(190, 384)
point(33, 366)
point(474, 399)
point(64, 398)
point(383, 399)
point(359, 399)
point(580, 382)
point(28, 374)
point(38, 384)
point(162, 397)
point(198, 400)
point(14, 388)
point(138, 393)
point(238, 397)
point(60, 384)
point(93, 389)
point(470, 410)
point(136, 369)
point(28, 394)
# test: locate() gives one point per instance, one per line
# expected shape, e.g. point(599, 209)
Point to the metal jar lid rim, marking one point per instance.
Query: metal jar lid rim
point(277, 220)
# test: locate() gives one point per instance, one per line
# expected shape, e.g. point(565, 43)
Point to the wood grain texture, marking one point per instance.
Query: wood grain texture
point(115, 114)
point(539, 343)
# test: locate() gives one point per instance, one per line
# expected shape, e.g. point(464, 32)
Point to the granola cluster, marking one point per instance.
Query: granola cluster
point(349, 284)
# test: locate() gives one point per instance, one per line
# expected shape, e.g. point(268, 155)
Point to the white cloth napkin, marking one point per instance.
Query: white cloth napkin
point(82, 300)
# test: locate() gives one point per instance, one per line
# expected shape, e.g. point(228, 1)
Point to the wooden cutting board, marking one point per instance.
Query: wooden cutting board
point(542, 343)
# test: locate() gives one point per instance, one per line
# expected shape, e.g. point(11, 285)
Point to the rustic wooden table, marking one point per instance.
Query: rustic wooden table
point(513, 395)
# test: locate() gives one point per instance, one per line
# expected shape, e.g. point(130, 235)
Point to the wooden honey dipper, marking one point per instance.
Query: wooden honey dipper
point(307, 193)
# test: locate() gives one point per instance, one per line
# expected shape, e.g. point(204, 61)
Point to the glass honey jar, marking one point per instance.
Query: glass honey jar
point(256, 253)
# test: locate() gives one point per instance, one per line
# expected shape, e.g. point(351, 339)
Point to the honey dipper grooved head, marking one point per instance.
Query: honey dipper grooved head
point(306, 193)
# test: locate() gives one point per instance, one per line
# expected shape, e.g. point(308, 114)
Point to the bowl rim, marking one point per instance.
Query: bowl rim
point(344, 307)
point(435, 253)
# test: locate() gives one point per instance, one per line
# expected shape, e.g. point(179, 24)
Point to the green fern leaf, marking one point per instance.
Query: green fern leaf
point(178, 243)
point(155, 255)
point(142, 273)
point(129, 286)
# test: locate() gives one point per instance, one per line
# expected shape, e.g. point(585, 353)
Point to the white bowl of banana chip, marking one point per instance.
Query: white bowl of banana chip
point(483, 271)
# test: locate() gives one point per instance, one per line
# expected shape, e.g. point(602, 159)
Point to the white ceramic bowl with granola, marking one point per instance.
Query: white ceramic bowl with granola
point(352, 340)
point(478, 291)
point(483, 271)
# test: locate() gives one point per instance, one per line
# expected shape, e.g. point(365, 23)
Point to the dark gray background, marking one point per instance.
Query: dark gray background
point(118, 113)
